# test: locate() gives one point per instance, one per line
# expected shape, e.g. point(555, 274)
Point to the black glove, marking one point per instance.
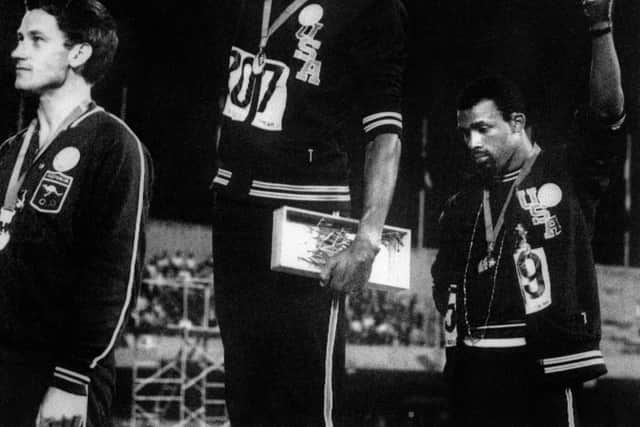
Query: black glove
point(598, 13)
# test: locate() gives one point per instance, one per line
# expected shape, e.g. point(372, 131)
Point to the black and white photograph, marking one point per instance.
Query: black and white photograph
point(320, 213)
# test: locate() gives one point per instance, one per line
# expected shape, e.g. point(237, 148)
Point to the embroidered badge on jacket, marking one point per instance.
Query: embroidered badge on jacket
point(51, 192)
point(308, 45)
point(538, 202)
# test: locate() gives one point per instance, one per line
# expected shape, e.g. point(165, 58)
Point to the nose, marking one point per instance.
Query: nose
point(473, 140)
point(18, 52)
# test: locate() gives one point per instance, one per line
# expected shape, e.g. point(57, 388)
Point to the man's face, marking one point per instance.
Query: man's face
point(490, 138)
point(41, 57)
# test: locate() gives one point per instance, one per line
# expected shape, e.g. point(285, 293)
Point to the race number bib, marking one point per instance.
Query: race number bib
point(450, 319)
point(533, 276)
point(259, 99)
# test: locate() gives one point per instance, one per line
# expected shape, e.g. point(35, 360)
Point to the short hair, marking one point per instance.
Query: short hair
point(85, 21)
point(503, 92)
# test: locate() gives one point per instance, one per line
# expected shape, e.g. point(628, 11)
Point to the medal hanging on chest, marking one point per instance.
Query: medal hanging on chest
point(267, 30)
point(258, 63)
point(12, 199)
point(488, 262)
point(6, 216)
point(491, 233)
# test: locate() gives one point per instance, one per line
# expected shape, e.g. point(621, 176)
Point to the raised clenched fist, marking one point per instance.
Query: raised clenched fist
point(597, 11)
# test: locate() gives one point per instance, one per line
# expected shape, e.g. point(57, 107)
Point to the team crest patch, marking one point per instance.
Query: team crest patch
point(51, 192)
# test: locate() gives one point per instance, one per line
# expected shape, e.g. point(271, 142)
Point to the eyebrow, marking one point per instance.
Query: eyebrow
point(474, 125)
point(32, 33)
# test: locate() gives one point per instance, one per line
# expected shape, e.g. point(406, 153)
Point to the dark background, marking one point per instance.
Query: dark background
point(166, 75)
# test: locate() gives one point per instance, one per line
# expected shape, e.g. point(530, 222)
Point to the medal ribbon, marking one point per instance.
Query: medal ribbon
point(17, 179)
point(15, 182)
point(267, 31)
point(492, 232)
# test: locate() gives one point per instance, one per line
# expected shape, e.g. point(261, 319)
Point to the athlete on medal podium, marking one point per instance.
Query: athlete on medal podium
point(307, 80)
point(515, 275)
point(76, 188)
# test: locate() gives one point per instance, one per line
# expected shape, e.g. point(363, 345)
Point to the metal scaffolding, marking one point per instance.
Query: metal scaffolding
point(183, 387)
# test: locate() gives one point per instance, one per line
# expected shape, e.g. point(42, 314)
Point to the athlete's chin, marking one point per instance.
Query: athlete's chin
point(21, 84)
point(35, 87)
point(26, 86)
point(486, 169)
point(484, 164)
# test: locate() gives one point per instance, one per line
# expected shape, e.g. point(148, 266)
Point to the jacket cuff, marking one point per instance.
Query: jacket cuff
point(383, 122)
point(70, 381)
point(573, 368)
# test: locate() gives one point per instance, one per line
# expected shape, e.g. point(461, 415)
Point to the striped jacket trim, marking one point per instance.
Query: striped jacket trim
point(572, 362)
point(71, 375)
point(495, 342)
point(223, 177)
point(385, 118)
point(135, 244)
point(300, 188)
point(310, 193)
point(300, 197)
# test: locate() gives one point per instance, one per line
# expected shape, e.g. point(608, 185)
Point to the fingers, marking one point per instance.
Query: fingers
point(597, 10)
point(348, 276)
point(349, 270)
point(326, 271)
point(339, 274)
point(75, 421)
point(334, 274)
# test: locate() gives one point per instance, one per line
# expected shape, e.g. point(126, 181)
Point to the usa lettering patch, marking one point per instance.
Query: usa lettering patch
point(51, 192)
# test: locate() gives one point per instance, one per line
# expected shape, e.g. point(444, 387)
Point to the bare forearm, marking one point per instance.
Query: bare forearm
point(605, 87)
point(606, 96)
point(380, 172)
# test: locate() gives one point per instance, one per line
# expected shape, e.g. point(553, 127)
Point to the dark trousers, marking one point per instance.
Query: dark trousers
point(283, 364)
point(497, 388)
point(23, 386)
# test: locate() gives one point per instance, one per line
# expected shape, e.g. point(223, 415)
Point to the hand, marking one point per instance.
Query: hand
point(62, 409)
point(597, 11)
point(349, 270)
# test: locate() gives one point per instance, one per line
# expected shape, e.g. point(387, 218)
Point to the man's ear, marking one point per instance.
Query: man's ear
point(518, 122)
point(79, 55)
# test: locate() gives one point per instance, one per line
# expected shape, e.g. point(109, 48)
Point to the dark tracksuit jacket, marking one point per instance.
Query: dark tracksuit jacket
point(559, 316)
point(331, 81)
point(69, 274)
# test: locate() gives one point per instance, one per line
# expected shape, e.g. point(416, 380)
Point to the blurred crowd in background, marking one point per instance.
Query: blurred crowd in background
point(173, 281)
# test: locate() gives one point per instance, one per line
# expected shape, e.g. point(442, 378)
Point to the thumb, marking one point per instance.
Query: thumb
point(325, 271)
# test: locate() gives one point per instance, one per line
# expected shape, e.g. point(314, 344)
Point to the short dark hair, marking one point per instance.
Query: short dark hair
point(502, 91)
point(85, 21)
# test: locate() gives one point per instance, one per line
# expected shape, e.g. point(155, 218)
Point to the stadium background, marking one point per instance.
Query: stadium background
point(165, 81)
